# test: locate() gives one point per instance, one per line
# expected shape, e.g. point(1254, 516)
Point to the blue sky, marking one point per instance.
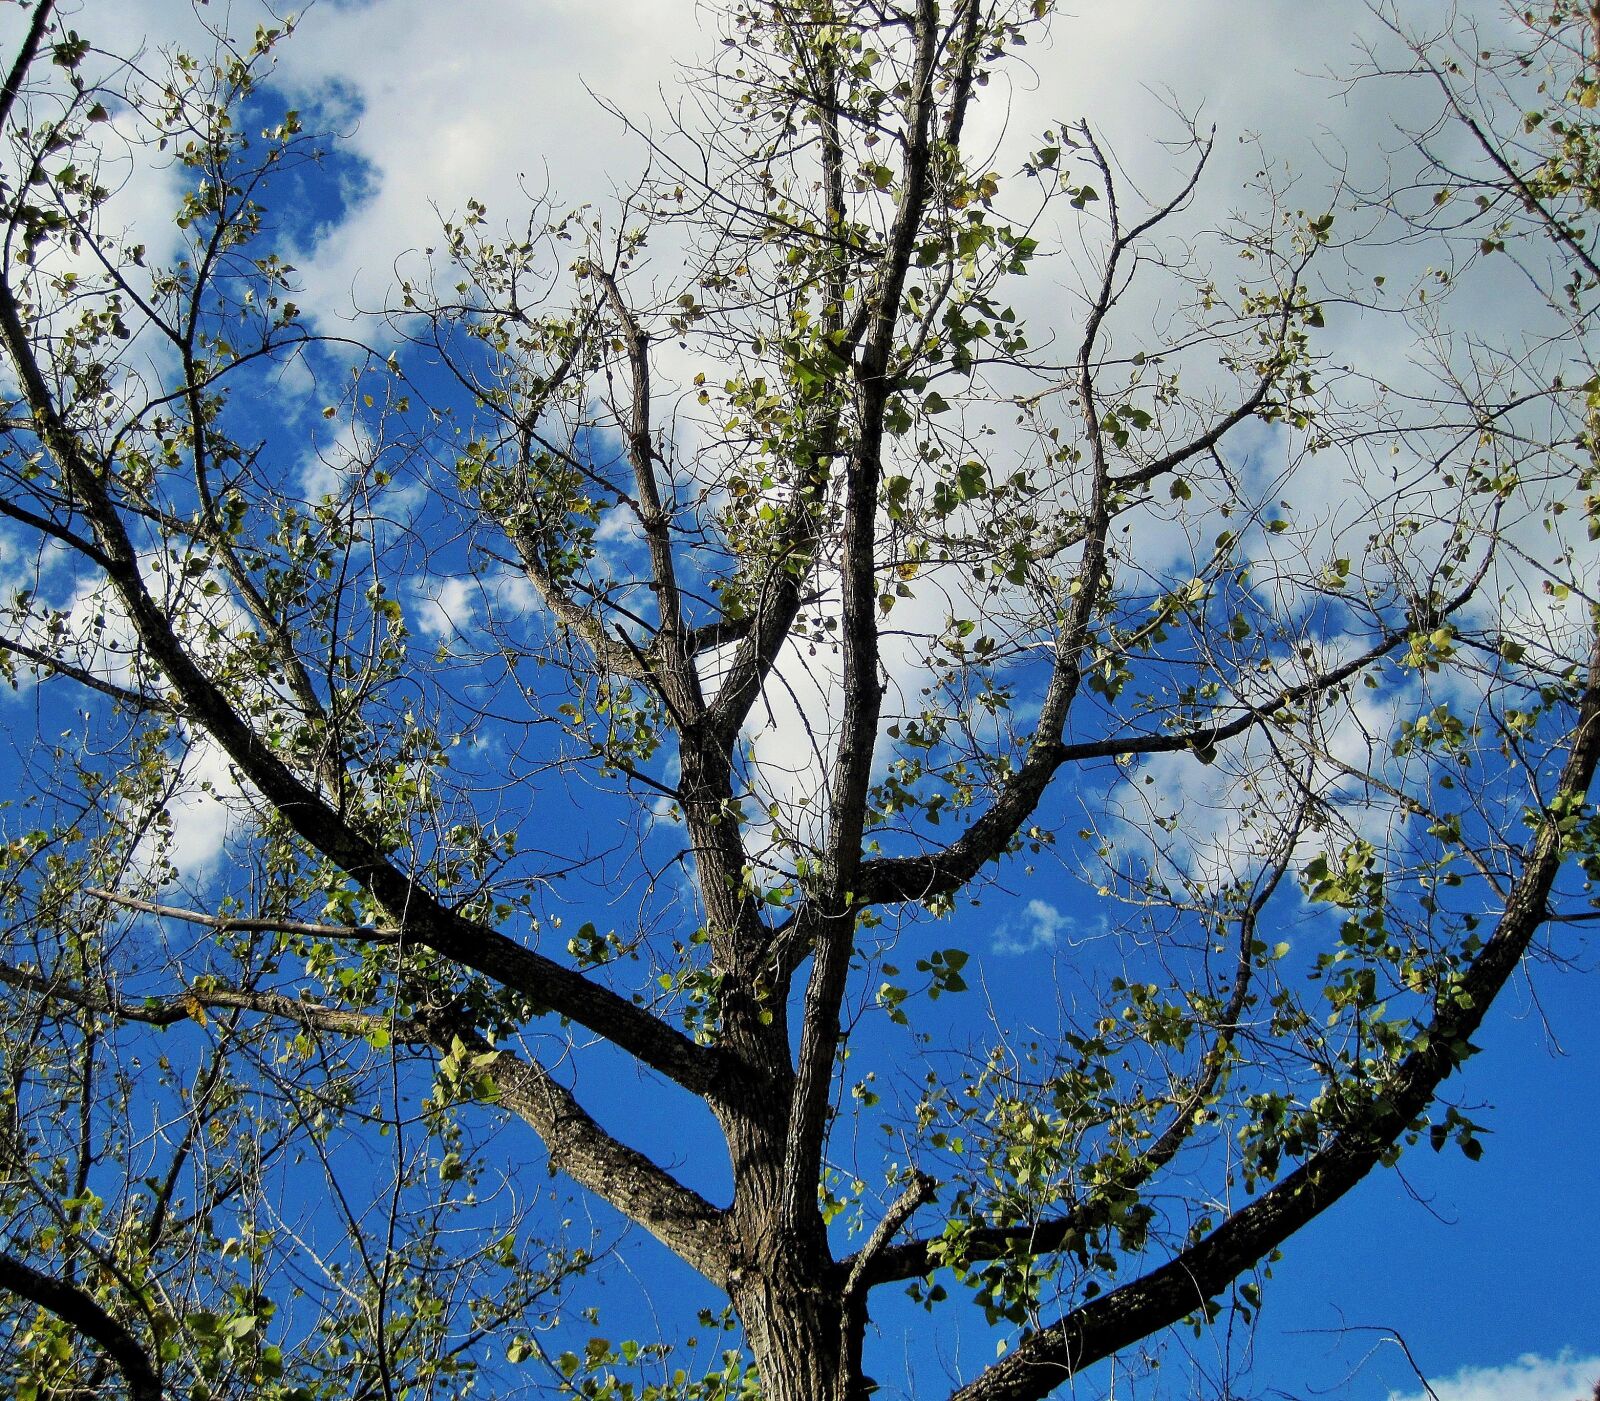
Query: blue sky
point(1474, 1266)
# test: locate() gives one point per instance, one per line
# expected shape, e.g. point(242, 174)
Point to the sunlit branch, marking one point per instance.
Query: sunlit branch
point(195, 1002)
point(1043, 1360)
point(585, 623)
point(232, 924)
point(654, 520)
point(683, 1220)
point(1526, 195)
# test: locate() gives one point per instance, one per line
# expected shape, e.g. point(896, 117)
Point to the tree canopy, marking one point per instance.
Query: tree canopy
point(617, 670)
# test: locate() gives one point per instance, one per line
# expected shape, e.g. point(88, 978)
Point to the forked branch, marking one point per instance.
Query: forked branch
point(1046, 1359)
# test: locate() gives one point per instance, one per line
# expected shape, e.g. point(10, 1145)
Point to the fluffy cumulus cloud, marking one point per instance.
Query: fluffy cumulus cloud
point(1529, 1378)
point(435, 104)
point(205, 807)
point(498, 102)
point(501, 102)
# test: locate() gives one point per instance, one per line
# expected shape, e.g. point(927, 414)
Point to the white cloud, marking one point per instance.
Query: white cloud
point(442, 103)
point(1529, 1378)
point(205, 806)
point(476, 100)
point(445, 609)
point(1040, 926)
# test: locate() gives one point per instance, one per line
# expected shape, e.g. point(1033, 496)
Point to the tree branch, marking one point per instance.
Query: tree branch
point(1046, 1359)
point(194, 1002)
point(50, 663)
point(654, 520)
point(42, 11)
point(611, 655)
point(75, 1307)
point(233, 924)
point(577, 1145)
point(919, 1257)
point(681, 1219)
point(892, 879)
point(831, 926)
point(412, 907)
point(45, 526)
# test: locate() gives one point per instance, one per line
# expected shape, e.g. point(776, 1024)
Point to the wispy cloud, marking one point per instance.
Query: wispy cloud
point(1039, 926)
point(1530, 1378)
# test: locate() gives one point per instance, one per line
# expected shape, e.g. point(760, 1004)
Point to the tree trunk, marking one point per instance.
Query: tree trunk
point(783, 1282)
point(797, 1331)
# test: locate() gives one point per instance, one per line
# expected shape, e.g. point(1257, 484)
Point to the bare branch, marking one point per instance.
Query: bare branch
point(233, 924)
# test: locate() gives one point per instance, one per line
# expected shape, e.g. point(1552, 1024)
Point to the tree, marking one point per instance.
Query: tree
point(833, 586)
